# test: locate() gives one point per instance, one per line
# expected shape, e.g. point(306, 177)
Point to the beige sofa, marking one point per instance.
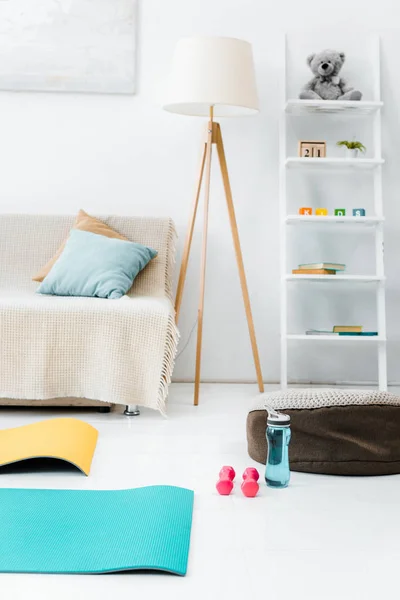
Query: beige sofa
point(84, 351)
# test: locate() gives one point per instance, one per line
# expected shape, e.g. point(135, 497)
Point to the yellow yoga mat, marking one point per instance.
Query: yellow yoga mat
point(70, 440)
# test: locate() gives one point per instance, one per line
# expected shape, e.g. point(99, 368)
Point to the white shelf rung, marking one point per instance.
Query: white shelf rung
point(336, 278)
point(305, 107)
point(299, 162)
point(331, 219)
point(337, 338)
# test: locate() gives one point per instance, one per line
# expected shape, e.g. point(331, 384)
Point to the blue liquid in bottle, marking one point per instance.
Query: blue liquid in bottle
point(277, 472)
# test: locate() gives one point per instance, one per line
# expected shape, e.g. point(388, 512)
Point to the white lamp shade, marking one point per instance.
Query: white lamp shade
point(212, 71)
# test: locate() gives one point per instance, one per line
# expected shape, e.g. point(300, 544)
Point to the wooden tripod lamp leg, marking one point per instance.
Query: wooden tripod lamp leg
point(189, 237)
point(214, 136)
point(203, 264)
point(239, 257)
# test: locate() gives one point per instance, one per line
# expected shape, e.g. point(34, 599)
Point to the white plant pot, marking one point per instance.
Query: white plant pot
point(352, 152)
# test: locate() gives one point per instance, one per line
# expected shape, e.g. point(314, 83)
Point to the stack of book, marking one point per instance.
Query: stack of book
point(322, 268)
point(342, 330)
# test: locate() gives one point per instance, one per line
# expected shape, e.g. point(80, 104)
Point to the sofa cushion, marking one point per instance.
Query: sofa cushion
point(337, 432)
point(96, 266)
point(84, 222)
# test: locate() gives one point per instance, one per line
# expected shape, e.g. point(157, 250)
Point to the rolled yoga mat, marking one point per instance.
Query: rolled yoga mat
point(71, 531)
point(68, 440)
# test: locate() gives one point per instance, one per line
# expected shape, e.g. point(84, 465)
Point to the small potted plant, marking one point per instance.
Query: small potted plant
point(352, 148)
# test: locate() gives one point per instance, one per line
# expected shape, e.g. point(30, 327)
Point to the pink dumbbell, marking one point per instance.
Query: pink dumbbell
point(224, 484)
point(250, 486)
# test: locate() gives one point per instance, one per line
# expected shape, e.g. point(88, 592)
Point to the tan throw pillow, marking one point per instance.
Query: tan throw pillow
point(86, 223)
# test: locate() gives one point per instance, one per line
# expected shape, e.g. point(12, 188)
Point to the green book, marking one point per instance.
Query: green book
point(324, 265)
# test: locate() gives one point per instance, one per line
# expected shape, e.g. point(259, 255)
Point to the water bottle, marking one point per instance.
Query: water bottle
point(277, 473)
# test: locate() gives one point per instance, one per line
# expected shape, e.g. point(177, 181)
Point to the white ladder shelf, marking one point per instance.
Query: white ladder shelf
point(349, 110)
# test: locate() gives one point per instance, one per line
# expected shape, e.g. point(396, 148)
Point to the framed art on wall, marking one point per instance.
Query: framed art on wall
point(68, 46)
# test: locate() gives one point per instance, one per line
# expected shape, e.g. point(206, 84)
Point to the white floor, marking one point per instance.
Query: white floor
point(321, 538)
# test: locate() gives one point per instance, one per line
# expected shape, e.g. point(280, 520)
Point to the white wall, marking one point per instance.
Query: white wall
point(125, 155)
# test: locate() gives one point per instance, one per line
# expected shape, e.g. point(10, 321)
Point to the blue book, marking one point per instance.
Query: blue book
point(365, 333)
point(322, 332)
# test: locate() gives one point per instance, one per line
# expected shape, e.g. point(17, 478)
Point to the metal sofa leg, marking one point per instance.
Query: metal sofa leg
point(132, 410)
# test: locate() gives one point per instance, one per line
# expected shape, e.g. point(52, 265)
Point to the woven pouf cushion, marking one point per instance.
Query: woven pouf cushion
point(337, 432)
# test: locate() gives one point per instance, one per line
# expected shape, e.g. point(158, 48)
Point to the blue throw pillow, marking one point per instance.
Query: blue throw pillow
point(96, 266)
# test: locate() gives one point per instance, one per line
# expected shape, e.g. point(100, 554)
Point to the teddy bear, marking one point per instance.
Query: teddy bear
point(326, 83)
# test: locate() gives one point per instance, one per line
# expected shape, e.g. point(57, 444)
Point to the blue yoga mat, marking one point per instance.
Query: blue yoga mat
point(68, 531)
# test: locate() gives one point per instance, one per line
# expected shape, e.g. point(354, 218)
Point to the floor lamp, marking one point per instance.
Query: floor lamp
point(213, 77)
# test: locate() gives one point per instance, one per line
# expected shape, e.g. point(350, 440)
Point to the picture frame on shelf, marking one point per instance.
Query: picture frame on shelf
point(309, 149)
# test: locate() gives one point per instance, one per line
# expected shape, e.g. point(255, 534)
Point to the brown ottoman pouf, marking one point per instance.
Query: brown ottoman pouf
point(337, 432)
